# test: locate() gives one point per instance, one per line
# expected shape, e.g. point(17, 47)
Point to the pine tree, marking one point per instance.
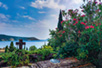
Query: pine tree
point(6, 49)
point(60, 27)
point(11, 48)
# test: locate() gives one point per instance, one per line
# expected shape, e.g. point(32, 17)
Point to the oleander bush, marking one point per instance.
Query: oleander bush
point(83, 31)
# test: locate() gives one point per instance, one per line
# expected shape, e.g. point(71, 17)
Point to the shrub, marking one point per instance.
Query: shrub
point(6, 49)
point(32, 48)
point(16, 58)
point(69, 50)
point(84, 30)
point(11, 48)
point(47, 47)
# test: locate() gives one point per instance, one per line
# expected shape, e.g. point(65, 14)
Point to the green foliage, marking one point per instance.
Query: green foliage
point(6, 49)
point(84, 32)
point(32, 48)
point(16, 58)
point(47, 47)
point(11, 48)
point(69, 50)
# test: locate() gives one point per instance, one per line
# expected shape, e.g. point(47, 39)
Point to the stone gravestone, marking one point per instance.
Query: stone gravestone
point(64, 63)
point(20, 43)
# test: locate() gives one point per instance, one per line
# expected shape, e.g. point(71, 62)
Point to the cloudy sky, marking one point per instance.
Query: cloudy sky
point(32, 18)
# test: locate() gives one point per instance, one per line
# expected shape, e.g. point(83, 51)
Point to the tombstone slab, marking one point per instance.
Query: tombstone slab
point(69, 63)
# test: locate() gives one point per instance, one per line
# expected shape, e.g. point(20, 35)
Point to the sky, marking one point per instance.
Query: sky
point(32, 18)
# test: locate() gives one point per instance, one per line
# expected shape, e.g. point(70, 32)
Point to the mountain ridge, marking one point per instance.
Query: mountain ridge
point(4, 37)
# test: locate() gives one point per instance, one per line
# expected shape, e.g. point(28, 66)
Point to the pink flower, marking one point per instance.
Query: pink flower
point(82, 10)
point(99, 23)
point(83, 16)
point(97, 10)
point(95, 2)
point(62, 10)
point(60, 35)
point(87, 27)
point(63, 32)
point(59, 31)
point(89, 1)
point(74, 19)
point(62, 22)
point(91, 26)
point(96, 24)
point(56, 28)
point(100, 3)
point(83, 23)
point(70, 10)
point(79, 31)
point(76, 22)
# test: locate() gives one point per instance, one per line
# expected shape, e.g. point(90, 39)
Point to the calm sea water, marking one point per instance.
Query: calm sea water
point(37, 43)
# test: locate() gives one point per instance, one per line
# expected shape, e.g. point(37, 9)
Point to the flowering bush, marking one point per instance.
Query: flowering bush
point(84, 29)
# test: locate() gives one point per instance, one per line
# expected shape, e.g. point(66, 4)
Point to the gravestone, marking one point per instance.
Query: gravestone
point(20, 43)
point(64, 63)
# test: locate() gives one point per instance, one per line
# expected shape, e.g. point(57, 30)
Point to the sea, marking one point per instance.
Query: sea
point(37, 43)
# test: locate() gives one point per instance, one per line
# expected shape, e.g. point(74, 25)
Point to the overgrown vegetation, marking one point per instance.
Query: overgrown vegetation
point(16, 57)
point(81, 35)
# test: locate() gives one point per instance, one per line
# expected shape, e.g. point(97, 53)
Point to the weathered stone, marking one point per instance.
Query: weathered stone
point(23, 67)
point(63, 64)
point(2, 63)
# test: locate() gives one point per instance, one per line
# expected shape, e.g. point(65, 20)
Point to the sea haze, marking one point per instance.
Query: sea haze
point(37, 43)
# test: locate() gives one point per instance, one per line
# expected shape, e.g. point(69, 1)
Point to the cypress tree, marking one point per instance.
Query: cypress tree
point(60, 27)
point(6, 49)
point(11, 48)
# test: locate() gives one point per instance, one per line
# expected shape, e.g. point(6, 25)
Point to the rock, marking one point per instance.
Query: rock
point(2, 63)
point(64, 63)
point(23, 67)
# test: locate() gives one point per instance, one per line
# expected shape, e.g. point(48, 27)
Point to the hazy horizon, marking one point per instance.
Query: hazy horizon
point(32, 18)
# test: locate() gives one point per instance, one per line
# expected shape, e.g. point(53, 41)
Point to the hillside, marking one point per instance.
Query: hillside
point(15, 38)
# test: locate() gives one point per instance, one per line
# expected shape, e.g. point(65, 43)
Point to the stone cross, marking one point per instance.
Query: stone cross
point(20, 43)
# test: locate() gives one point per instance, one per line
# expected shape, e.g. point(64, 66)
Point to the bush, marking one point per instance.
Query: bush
point(84, 30)
point(16, 58)
point(47, 47)
point(6, 49)
point(32, 48)
point(12, 48)
point(69, 50)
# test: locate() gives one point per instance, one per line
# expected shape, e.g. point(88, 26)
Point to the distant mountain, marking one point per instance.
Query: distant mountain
point(15, 38)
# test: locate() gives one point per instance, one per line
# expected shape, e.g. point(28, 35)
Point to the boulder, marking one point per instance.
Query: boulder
point(2, 63)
